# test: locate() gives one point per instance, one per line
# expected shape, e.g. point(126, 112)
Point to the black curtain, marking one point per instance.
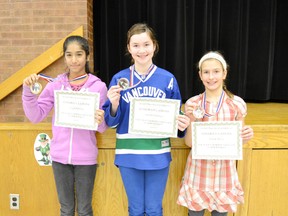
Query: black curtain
point(252, 35)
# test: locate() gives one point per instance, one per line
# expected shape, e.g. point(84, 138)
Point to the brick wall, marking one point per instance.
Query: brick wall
point(28, 28)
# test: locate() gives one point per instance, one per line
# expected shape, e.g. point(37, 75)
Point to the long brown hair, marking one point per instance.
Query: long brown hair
point(139, 28)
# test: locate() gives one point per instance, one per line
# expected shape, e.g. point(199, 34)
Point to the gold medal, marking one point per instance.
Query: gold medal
point(199, 112)
point(36, 88)
point(123, 83)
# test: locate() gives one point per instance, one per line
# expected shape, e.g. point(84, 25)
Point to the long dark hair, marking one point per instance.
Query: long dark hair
point(83, 43)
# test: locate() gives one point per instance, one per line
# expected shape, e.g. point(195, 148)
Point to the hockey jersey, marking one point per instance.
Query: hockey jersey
point(141, 151)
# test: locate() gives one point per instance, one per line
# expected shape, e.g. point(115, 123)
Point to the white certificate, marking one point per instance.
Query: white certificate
point(76, 109)
point(217, 140)
point(154, 117)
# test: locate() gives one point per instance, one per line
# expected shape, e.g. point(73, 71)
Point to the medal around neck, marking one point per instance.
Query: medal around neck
point(198, 113)
point(123, 83)
point(36, 88)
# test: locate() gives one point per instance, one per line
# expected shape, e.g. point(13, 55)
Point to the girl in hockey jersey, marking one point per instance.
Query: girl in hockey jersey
point(73, 151)
point(143, 161)
point(213, 184)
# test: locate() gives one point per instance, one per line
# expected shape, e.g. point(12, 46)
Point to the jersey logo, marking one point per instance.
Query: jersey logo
point(146, 91)
point(170, 86)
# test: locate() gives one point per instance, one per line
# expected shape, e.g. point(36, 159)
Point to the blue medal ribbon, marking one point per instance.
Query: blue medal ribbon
point(132, 71)
point(50, 79)
point(218, 106)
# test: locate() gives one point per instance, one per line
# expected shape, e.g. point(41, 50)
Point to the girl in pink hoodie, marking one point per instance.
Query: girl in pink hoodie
point(73, 151)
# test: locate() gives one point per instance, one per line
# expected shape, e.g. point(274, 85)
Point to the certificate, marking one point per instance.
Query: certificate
point(154, 117)
point(76, 109)
point(217, 140)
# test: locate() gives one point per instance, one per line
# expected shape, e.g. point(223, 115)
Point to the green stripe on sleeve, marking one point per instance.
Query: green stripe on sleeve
point(143, 144)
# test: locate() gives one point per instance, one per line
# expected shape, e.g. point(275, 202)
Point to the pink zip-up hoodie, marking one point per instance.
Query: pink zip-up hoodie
point(68, 145)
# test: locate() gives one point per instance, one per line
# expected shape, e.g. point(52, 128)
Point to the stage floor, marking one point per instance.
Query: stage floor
point(267, 114)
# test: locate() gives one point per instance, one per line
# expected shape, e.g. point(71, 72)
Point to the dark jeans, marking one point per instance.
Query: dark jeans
point(74, 182)
point(201, 213)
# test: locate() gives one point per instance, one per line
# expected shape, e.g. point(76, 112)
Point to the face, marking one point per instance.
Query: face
point(141, 48)
point(44, 143)
point(75, 58)
point(212, 74)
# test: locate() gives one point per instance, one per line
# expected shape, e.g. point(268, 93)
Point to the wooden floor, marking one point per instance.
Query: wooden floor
point(267, 114)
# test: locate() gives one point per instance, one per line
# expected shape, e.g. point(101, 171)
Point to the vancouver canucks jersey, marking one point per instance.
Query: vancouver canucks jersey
point(140, 151)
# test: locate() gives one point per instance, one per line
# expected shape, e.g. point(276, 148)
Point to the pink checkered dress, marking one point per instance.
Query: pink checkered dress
point(213, 184)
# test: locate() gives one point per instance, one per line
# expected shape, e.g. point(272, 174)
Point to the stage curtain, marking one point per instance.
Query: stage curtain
point(251, 34)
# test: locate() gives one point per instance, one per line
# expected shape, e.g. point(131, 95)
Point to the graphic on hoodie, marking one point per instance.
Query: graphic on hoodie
point(42, 150)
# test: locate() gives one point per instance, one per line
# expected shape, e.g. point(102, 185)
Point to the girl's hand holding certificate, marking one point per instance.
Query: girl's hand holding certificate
point(183, 122)
point(99, 116)
point(247, 133)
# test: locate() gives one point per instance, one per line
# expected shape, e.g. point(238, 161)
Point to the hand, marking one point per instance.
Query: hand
point(247, 133)
point(188, 109)
point(183, 122)
point(99, 116)
point(114, 95)
point(30, 80)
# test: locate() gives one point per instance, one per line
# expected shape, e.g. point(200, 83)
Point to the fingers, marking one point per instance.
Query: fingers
point(114, 89)
point(189, 107)
point(247, 133)
point(247, 130)
point(30, 80)
point(99, 116)
point(183, 122)
point(114, 93)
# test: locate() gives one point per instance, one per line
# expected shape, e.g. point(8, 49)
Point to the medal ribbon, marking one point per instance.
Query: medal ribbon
point(132, 70)
point(79, 77)
point(218, 106)
point(143, 76)
point(50, 79)
point(47, 78)
point(132, 77)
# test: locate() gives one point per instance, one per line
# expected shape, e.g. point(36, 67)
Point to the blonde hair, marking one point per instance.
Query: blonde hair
point(219, 57)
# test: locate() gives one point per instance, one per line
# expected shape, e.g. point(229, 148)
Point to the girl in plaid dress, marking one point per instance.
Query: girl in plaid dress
point(213, 184)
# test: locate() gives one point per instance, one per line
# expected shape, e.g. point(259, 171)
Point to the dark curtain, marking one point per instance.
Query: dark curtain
point(252, 35)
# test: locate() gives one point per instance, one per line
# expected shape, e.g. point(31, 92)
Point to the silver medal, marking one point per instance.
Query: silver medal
point(199, 112)
point(123, 83)
point(36, 88)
